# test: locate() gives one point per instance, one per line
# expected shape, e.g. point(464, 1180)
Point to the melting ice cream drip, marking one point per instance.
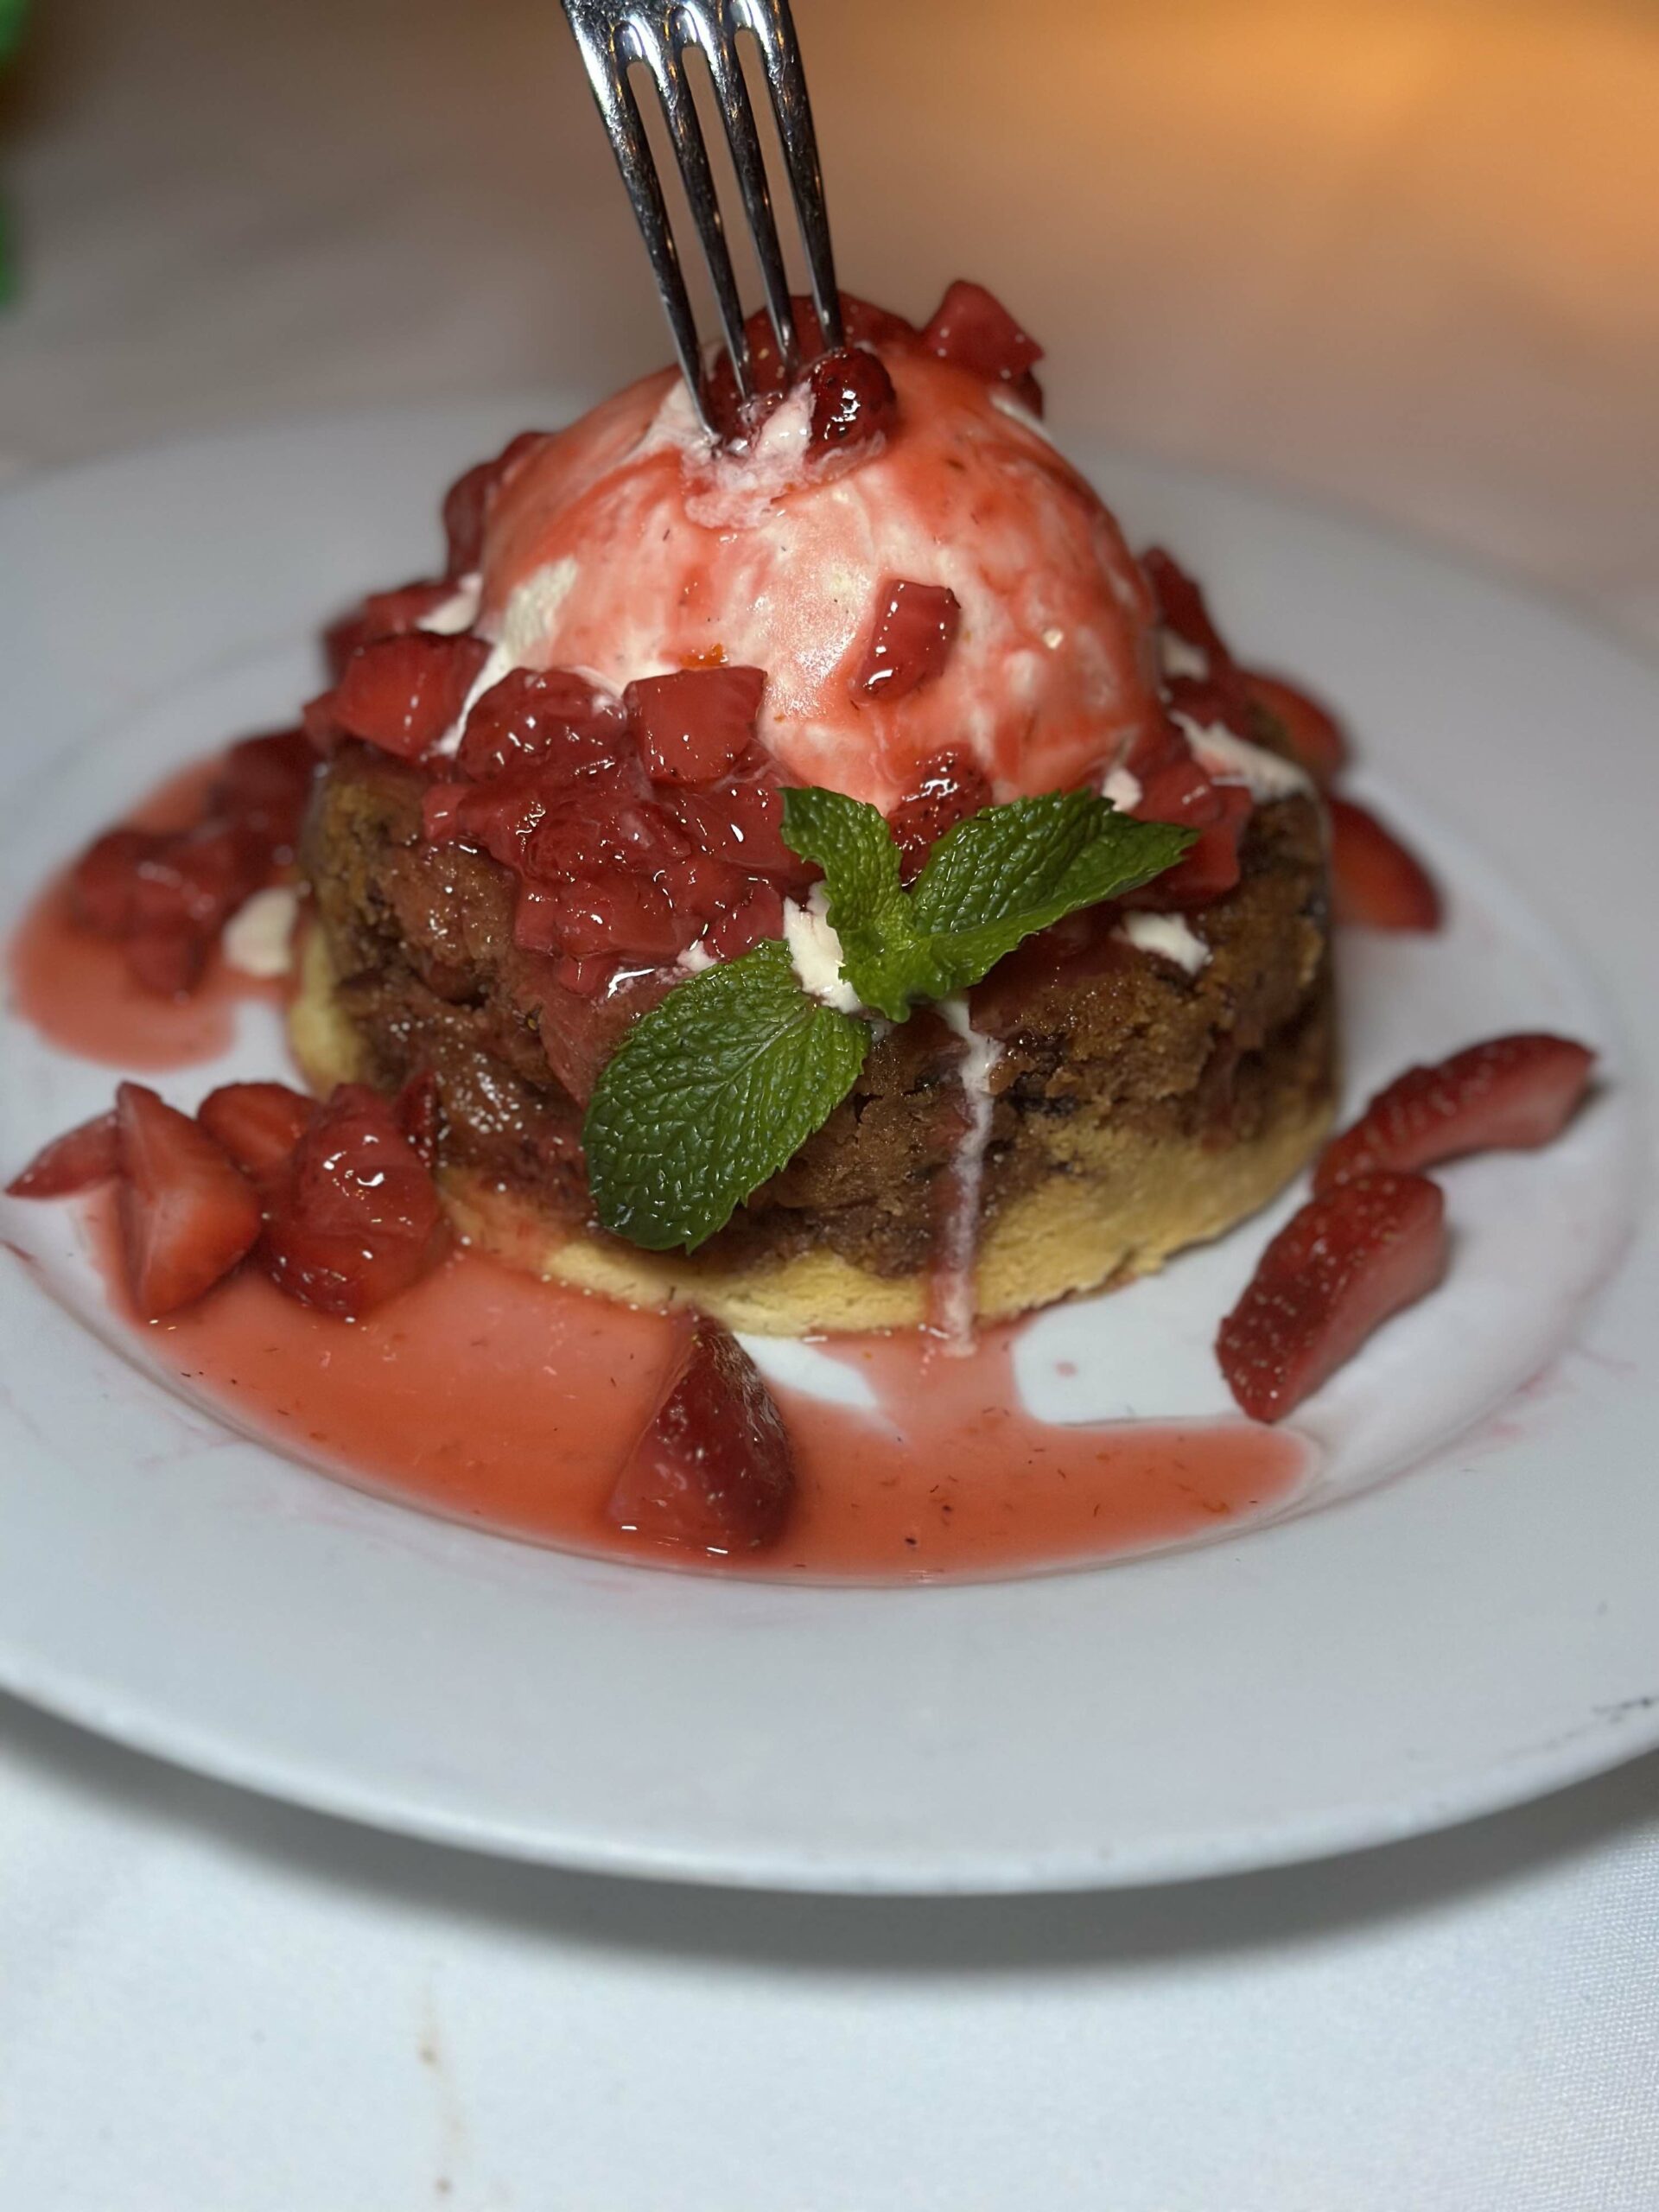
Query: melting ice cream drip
point(957, 1247)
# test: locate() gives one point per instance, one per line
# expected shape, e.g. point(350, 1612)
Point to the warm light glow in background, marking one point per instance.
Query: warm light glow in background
point(1403, 252)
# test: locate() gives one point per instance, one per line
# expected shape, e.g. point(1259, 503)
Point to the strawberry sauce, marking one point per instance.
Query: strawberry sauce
point(951, 1477)
point(75, 989)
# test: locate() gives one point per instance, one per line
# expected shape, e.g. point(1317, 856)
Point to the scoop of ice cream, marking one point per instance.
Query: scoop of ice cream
point(629, 545)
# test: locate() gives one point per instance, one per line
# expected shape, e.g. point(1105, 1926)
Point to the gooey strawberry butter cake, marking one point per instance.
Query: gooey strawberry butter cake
point(806, 877)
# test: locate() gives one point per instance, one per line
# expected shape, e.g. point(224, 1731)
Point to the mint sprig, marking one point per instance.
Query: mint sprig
point(711, 1092)
point(715, 1089)
point(993, 880)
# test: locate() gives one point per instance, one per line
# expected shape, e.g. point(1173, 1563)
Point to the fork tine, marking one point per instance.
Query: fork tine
point(731, 98)
point(773, 28)
point(607, 74)
point(662, 56)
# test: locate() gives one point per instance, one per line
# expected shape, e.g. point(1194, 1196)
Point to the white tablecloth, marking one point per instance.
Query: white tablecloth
point(1402, 254)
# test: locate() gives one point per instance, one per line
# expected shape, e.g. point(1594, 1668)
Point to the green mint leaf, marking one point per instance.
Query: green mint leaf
point(868, 908)
point(993, 881)
point(710, 1094)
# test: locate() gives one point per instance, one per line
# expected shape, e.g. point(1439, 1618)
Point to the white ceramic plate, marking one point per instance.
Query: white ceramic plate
point(1458, 1612)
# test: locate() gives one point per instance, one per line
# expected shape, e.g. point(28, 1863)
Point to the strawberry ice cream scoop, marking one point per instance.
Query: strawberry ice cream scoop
point(629, 546)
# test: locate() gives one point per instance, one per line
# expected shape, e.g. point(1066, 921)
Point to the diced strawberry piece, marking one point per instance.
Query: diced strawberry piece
point(105, 880)
point(1218, 698)
point(188, 1212)
point(1182, 607)
point(402, 693)
point(972, 328)
point(258, 1124)
point(382, 614)
point(73, 1162)
point(354, 1217)
point(419, 1110)
point(323, 732)
point(951, 787)
point(713, 1471)
point(691, 726)
point(1311, 732)
point(167, 959)
point(440, 812)
point(852, 400)
point(264, 784)
point(1508, 1094)
point(731, 418)
point(547, 716)
point(199, 876)
point(1335, 1272)
point(583, 916)
point(740, 822)
point(1210, 867)
point(580, 1029)
point(758, 920)
point(916, 625)
point(703, 887)
point(467, 502)
point(593, 834)
point(865, 324)
point(1375, 883)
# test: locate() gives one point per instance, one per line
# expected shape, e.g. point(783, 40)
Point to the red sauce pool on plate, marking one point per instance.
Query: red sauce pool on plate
point(492, 1397)
point(74, 988)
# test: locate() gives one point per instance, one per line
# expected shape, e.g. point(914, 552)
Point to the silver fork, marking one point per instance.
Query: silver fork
point(613, 36)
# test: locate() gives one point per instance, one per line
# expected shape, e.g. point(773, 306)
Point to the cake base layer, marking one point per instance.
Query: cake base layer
point(1115, 1199)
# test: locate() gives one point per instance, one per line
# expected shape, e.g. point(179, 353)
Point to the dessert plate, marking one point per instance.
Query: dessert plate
point(1454, 1612)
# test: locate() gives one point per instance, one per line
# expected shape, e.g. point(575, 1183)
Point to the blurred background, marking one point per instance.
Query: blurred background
point(1402, 253)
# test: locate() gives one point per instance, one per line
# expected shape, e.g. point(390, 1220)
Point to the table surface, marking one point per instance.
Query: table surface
point(1400, 253)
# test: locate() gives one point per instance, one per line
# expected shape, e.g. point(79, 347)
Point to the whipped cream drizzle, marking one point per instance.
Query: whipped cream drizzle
point(1180, 657)
point(457, 612)
point(955, 1255)
point(258, 940)
point(524, 621)
point(816, 950)
point(1172, 936)
point(1230, 759)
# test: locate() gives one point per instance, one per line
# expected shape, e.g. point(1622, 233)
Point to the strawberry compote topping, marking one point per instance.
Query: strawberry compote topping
point(630, 546)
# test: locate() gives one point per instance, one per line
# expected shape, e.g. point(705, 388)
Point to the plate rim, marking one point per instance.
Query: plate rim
point(1623, 1733)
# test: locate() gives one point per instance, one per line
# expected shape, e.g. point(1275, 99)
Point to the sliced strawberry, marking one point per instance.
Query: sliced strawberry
point(915, 627)
point(189, 1214)
point(1508, 1094)
point(1333, 1273)
point(354, 1218)
point(1375, 883)
point(693, 725)
point(402, 693)
point(467, 502)
point(852, 400)
point(73, 1162)
point(258, 1124)
point(1311, 732)
point(972, 328)
point(951, 786)
point(713, 1471)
